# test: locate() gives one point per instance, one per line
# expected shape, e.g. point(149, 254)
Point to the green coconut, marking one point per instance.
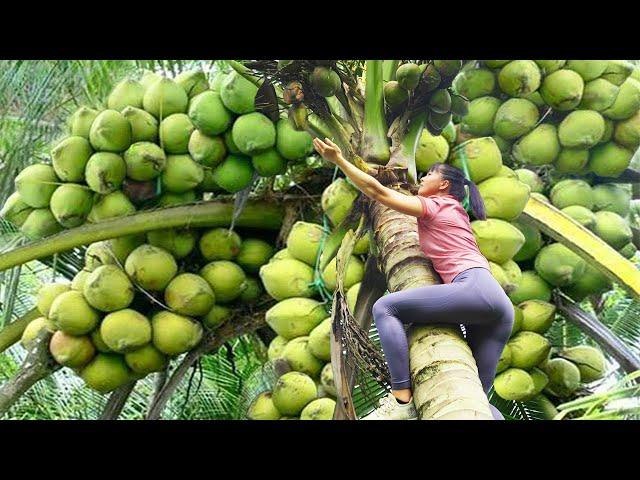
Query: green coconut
point(581, 129)
point(262, 408)
point(292, 392)
point(319, 409)
point(507, 173)
point(408, 75)
point(269, 163)
point(558, 265)
point(106, 372)
point(69, 158)
point(599, 94)
point(33, 329)
point(449, 132)
point(235, 173)
point(98, 254)
point(591, 282)
point(303, 242)
point(209, 114)
point(430, 150)
point(532, 243)
point(252, 292)
point(550, 66)
point(253, 254)
point(125, 330)
point(295, 317)
point(539, 147)
point(218, 315)
point(564, 377)
point(300, 357)
point(505, 359)
point(519, 78)
point(498, 240)
point(571, 192)
point(514, 118)
point(36, 183)
point(474, 83)
point(220, 244)
point(628, 251)
point(208, 183)
point(394, 94)
point(127, 93)
point(482, 156)
point(228, 141)
point(47, 294)
point(617, 71)
point(174, 334)
point(326, 379)
point(571, 160)
point(169, 199)
point(500, 276)
point(165, 97)
point(287, 278)
point(528, 349)
point(253, 133)
point(354, 273)
point(612, 228)
point(325, 81)
point(580, 214)
point(105, 172)
point(15, 210)
point(281, 254)
point(276, 347)
point(514, 384)
point(144, 126)
point(121, 247)
point(504, 197)
point(108, 289)
point(181, 174)
point(148, 78)
point(531, 286)
point(587, 69)
point(337, 200)
point(589, 360)
point(611, 197)
point(352, 297)
point(531, 178)
point(320, 340)
point(226, 279)
point(151, 267)
point(145, 161)
point(71, 204)
point(194, 82)
point(626, 103)
point(495, 63)
point(608, 131)
point(146, 359)
point(290, 143)
point(609, 159)
point(627, 132)
point(517, 320)
point(80, 121)
point(480, 118)
point(175, 132)
point(39, 224)
point(110, 132)
point(562, 90)
point(538, 315)
point(72, 314)
point(189, 294)
point(111, 205)
point(238, 94)
point(512, 271)
point(206, 150)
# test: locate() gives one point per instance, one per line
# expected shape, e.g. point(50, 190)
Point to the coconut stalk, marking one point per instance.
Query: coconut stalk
point(256, 214)
point(375, 146)
point(13, 331)
point(443, 371)
point(116, 402)
point(37, 365)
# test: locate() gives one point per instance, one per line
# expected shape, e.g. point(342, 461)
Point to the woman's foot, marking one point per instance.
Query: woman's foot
point(390, 408)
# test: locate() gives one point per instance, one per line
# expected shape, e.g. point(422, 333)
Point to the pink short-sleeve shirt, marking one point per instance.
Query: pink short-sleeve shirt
point(446, 237)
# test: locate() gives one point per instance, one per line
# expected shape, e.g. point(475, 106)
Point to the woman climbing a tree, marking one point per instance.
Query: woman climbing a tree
point(468, 294)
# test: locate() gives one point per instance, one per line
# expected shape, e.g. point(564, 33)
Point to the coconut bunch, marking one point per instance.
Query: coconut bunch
point(155, 142)
point(426, 86)
point(143, 300)
point(580, 116)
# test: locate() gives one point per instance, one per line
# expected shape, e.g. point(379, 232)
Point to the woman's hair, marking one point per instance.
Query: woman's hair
point(458, 181)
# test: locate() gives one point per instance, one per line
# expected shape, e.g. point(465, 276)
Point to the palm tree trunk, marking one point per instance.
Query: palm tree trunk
point(443, 371)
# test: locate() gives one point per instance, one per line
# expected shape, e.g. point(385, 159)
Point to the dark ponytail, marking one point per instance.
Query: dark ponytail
point(458, 181)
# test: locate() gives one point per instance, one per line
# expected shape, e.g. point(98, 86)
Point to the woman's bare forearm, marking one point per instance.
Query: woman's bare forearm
point(363, 181)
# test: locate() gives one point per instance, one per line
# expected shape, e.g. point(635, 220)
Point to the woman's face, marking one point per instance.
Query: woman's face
point(432, 183)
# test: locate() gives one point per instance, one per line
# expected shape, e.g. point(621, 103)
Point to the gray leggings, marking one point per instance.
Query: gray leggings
point(474, 298)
